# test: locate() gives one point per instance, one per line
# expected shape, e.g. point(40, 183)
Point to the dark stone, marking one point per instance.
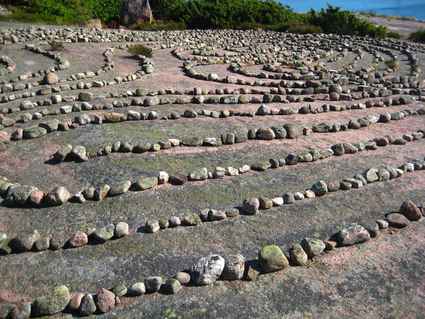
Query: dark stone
point(397, 220)
point(410, 211)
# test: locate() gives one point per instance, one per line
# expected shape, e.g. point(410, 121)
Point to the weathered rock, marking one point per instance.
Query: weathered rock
point(319, 188)
point(153, 284)
point(75, 302)
point(410, 211)
point(192, 141)
point(183, 277)
point(313, 247)
point(121, 230)
point(20, 311)
point(252, 271)
point(293, 130)
point(136, 11)
point(54, 302)
point(265, 134)
point(105, 300)
point(101, 192)
point(144, 183)
point(271, 258)
point(119, 188)
point(265, 203)
point(34, 132)
point(87, 306)
point(58, 196)
point(251, 206)
point(103, 234)
point(137, 289)
point(199, 175)
point(120, 290)
point(152, 226)
point(397, 220)
point(371, 175)
point(51, 78)
point(263, 110)
point(77, 154)
point(174, 221)
point(79, 239)
point(191, 220)
point(163, 177)
point(171, 286)
point(261, 166)
point(207, 270)
point(25, 241)
point(85, 96)
point(234, 267)
point(298, 256)
point(177, 179)
point(352, 234)
point(288, 198)
point(62, 153)
point(19, 195)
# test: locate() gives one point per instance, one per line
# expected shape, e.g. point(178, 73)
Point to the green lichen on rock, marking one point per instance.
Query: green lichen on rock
point(272, 259)
point(53, 303)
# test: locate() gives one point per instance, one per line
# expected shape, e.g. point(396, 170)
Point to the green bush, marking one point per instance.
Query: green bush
point(304, 28)
point(67, 11)
point(418, 36)
point(334, 20)
point(223, 14)
point(394, 35)
point(140, 49)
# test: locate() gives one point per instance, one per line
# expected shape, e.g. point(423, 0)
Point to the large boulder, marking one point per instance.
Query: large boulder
point(136, 11)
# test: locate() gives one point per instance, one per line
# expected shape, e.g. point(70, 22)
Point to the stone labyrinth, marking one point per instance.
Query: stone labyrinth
point(235, 174)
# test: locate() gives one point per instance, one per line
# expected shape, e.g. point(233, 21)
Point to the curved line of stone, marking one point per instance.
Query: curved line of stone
point(214, 267)
point(7, 122)
point(146, 68)
point(61, 64)
point(287, 131)
point(9, 87)
point(313, 88)
point(23, 195)
point(33, 241)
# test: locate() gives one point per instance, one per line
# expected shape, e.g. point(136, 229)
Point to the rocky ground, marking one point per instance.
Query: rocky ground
point(200, 171)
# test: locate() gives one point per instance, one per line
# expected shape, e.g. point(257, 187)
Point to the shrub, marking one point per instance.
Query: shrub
point(222, 14)
point(304, 28)
point(334, 20)
point(66, 11)
point(140, 49)
point(394, 35)
point(418, 36)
